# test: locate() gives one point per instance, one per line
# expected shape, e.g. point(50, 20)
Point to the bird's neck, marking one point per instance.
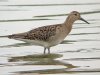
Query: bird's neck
point(68, 23)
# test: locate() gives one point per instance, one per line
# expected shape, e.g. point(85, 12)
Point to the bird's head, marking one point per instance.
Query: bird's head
point(76, 16)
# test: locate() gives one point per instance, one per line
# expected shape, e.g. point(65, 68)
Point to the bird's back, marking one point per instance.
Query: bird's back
point(40, 33)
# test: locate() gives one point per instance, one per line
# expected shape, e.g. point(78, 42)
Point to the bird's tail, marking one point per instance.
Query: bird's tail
point(13, 36)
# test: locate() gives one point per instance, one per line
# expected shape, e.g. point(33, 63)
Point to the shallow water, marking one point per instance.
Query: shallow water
point(78, 54)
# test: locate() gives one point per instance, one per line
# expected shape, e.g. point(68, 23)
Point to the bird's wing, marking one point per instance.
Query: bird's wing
point(19, 35)
point(41, 33)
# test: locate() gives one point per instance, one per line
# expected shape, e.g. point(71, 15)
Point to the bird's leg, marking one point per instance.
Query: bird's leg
point(49, 50)
point(44, 50)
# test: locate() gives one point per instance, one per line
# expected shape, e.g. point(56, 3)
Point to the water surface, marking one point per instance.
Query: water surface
point(78, 54)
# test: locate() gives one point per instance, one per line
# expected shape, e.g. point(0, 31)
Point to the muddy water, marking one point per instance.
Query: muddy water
point(78, 54)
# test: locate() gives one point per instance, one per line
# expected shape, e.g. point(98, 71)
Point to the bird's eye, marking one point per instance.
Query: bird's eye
point(75, 14)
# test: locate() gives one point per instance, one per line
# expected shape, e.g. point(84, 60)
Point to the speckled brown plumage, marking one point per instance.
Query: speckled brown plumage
point(41, 33)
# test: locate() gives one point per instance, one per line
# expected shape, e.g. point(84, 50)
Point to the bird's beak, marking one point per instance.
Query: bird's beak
point(84, 20)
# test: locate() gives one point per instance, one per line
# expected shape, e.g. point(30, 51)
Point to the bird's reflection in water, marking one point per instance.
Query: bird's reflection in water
point(42, 60)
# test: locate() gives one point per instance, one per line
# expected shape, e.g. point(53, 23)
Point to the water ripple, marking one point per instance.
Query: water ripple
point(85, 33)
point(23, 20)
point(55, 4)
point(54, 15)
